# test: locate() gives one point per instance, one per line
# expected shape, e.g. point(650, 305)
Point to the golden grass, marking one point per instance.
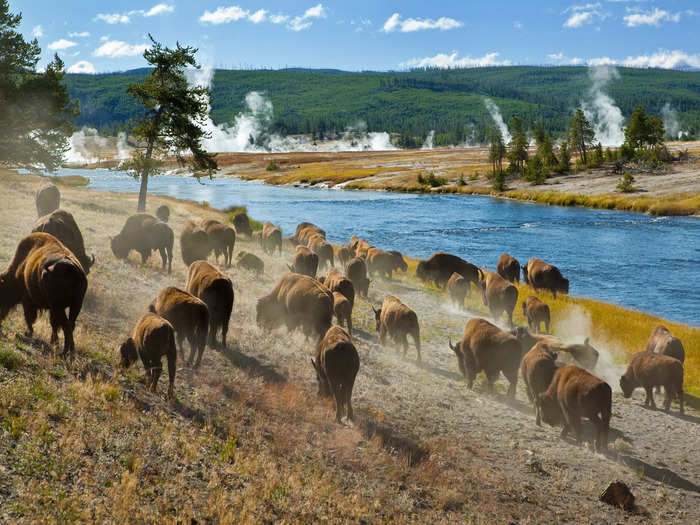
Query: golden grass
point(71, 180)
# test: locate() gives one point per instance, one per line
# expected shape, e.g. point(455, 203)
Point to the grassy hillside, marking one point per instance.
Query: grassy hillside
point(410, 103)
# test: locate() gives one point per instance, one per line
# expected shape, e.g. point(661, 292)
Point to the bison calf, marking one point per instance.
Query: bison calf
point(538, 367)
point(536, 312)
point(336, 365)
point(152, 338)
point(250, 262)
point(216, 290)
point(342, 308)
point(398, 321)
point(648, 370)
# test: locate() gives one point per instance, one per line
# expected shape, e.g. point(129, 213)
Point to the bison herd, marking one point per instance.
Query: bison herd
point(49, 272)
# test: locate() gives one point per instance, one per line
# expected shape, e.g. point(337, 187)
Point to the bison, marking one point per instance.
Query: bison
point(575, 393)
point(584, 355)
point(323, 249)
point(250, 262)
point(385, 263)
point(544, 276)
point(509, 268)
point(163, 212)
point(241, 224)
point(45, 275)
point(344, 254)
point(48, 199)
point(362, 247)
point(647, 370)
point(337, 282)
point(298, 301)
point(441, 265)
point(222, 239)
point(152, 338)
point(398, 321)
point(194, 243)
point(661, 341)
point(486, 347)
point(144, 233)
point(336, 365)
point(356, 270)
point(306, 230)
point(62, 225)
point(457, 286)
point(538, 367)
point(189, 317)
point(342, 308)
point(215, 289)
point(305, 261)
point(499, 295)
point(271, 238)
point(536, 312)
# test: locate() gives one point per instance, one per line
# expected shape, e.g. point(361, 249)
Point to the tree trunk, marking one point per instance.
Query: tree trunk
point(142, 193)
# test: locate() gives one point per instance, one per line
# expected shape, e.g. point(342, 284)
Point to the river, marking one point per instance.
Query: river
point(637, 261)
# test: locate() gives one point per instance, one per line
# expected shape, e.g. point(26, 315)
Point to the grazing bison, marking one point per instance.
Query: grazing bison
point(271, 238)
point(215, 289)
point(222, 239)
point(356, 270)
point(189, 317)
point(441, 265)
point(584, 355)
point(398, 321)
point(48, 199)
point(163, 212)
point(298, 301)
point(661, 341)
point(536, 312)
point(305, 261)
point(241, 224)
point(250, 262)
point(62, 225)
point(499, 295)
point(344, 255)
point(144, 233)
point(336, 365)
point(384, 263)
point(323, 249)
point(575, 393)
point(342, 308)
point(647, 370)
point(458, 287)
point(194, 243)
point(509, 268)
point(544, 276)
point(486, 347)
point(152, 338)
point(45, 275)
point(538, 367)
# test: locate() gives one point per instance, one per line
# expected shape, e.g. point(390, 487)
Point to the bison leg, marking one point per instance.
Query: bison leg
point(156, 370)
point(181, 345)
point(670, 394)
point(224, 333)
point(491, 379)
point(679, 391)
point(649, 401)
point(339, 401)
point(348, 320)
point(30, 313)
point(347, 394)
point(144, 256)
point(169, 249)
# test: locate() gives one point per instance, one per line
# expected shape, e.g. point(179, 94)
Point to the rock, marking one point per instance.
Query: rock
point(618, 494)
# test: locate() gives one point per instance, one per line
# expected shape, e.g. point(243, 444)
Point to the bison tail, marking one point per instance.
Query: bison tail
point(152, 308)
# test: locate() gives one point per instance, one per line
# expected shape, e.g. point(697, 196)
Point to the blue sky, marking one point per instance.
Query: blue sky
point(98, 36)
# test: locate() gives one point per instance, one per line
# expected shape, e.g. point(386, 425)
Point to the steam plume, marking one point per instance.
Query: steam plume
point(495, 113)
point(601, 110)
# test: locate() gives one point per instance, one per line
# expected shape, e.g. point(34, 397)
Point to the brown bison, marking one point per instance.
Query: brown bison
point(356, 270)
point(163, 212)
point(336, 365)
point(584, 355)
point(298, 301)
point(441, 265)
point(385, 263)
point(509, 268)
point(189, 317)
point(499, 295)
point(241, 224)
point(250, 262)
point(538, 367)
point(575, 393)
point(342, 308)
point(323, 249)
point(48, 199)
point(306, 230)
point(271, 238)
point(486, 347)
point(335, 281)
point(194, 243)
point(544, 276)
point(398, 321)
point(215, 289)
point(344, 254)
point(457, 286)
point(222, 239)
point(62, 225)
point(647, 370)
point(661, 341)
point(152, 338)
point(144, 233)
point(45, 275)
point(536, 312)
point(362, 247)
point(305, 261)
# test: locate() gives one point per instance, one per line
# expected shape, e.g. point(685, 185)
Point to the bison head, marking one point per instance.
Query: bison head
point(323, 388)
point(524, 337)
point(550, 409)
point(524, 269)
point(563, 285)
point(127, 353)
point(120, 248)
point(422, 270)
point(627, 386)
point(267, 312)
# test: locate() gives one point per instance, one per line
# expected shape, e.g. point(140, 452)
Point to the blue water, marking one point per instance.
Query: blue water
point(633, 260)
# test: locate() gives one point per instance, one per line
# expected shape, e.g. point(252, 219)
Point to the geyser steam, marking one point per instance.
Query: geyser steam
point(601, 110)
point(495, 113)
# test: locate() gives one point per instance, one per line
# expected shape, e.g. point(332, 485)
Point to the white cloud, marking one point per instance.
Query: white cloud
point(159, 9)
point(278, 19)
point(82, 67)
point(82, 34)
point(299, 23)
point(580, 19)
point(61, 44)
point(662, 59)
point(651, 18)
point(117, 48)
point(584, 14)
point(114, 18)
point(409, 25)
point(37, 31)
point(517, 24)
point(443, 60)
point(258, 16)
point(556, 56)
point(223, 15)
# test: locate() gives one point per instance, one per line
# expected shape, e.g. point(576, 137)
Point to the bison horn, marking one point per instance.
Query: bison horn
point(92, 261)
point(374, 309)
point(449, 342)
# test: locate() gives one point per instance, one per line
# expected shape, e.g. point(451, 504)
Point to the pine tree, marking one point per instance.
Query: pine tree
point(581, 135)
point(517, 153)
point(497, 151)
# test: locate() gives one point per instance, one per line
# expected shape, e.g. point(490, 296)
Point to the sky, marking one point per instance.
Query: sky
point(98, 36)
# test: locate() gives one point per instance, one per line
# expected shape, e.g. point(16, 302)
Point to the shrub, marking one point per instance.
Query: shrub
point(10, 359)
point(499, 181)
point(436, 182)
point(625, 184)
point(461, 181)
point(474, 176)
point(272, 166)
point(421, 179)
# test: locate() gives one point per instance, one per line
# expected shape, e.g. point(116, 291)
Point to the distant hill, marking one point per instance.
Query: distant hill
point(410, 104)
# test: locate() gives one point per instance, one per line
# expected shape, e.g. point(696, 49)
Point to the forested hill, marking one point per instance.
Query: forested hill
point(451, 102)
